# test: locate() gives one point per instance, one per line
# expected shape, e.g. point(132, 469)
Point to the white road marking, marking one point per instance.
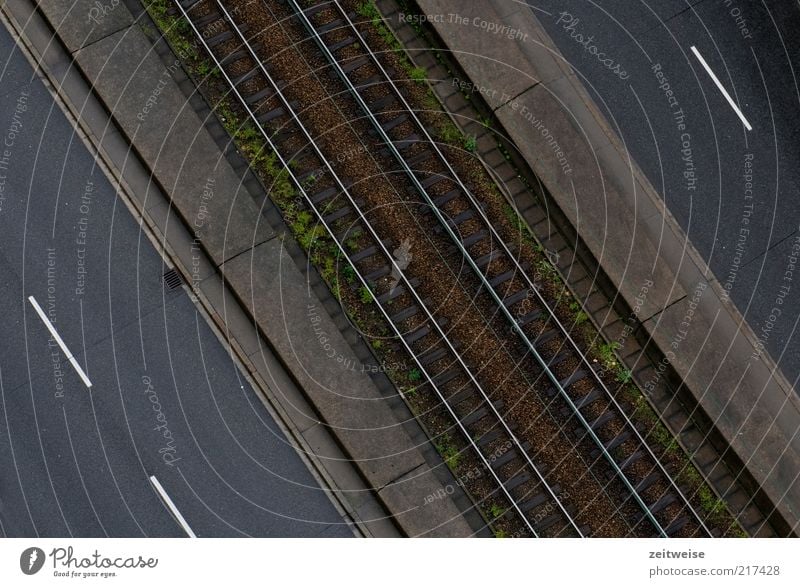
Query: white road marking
point(60, 342)
point(721, 87)
point(172, 508)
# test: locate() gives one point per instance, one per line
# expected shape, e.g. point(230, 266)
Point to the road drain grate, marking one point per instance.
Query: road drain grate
point(172, 279)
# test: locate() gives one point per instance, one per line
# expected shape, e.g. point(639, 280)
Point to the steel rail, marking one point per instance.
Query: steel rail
point(519, 269)
point(427, 376)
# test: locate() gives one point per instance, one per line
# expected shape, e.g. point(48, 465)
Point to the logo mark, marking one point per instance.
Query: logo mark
point(31, 560)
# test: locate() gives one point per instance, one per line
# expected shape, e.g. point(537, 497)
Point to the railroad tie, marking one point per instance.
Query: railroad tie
point(367, 252)
point(417, 334)
point(445, 378)
point(662, 502)
point(432, 356)
point(502, 278)
point(405, 313)
point(509, 456)
point(675, 526)
point(546, 523)
point(576, 376)
point(342, 44)
point(387, 126)
point(440, 201)
point(602, 420)
point(373, 276)
point(486, 439)
point(558, 359)
point(206, 20)
point(354, 64)
point(326, 28)
point(474, 416)
point(267, 93)
point(461, 396)
point(537, 500)
point(189, 4)
point(381, 106)
point(244, 77)
point(509, 301)
point(338, 214)
point(630, 460)
point(544, 337)
point(529, 317)
point(483, 261)
point(271, 115)
point(432, 179)
point(219, 38)
point(233, 57)
point(405, 143)
point(516, 481)
point(397, 291)
point(325, 194)
point(618, 439)
point(587, 399)
point(647, 482)
point(316, 9)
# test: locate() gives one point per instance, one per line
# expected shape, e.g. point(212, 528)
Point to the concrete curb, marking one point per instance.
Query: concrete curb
point(742, 397)
point(346, 442)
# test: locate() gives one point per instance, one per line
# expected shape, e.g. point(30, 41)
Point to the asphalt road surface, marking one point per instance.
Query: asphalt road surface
point(166, 398)
point(733, 190)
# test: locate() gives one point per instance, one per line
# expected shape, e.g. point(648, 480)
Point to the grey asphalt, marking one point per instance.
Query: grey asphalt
point(758, 66)
point(75, 461)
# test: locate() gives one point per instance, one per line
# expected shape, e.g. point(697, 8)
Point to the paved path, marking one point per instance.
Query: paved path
point(166, 398)
point(741, 213)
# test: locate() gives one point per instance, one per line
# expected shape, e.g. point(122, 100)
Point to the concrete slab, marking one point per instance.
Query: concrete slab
point(423, 514)
point(82, 22)
point(504, 69)
point(149, 106)
point(735, 389)
point(589, 182)
point(313, 350)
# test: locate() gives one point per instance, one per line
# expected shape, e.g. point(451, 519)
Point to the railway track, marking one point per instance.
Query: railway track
point(573, 389)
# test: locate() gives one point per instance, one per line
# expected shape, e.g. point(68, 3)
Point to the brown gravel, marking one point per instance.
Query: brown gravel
point(503, 372)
